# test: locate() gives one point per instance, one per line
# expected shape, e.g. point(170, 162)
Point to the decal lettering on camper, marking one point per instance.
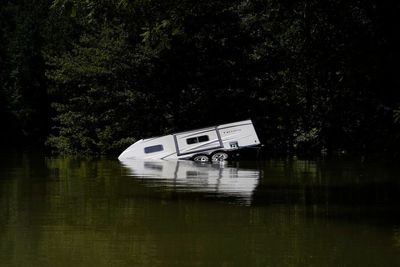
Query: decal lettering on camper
point(232, 131)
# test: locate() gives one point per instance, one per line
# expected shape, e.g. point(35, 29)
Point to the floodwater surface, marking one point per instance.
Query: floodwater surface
point(82, 212)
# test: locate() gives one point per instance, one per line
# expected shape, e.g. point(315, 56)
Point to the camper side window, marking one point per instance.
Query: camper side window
point(198, 139)
point(152, 149)
point(192, 140)
point(203, 138)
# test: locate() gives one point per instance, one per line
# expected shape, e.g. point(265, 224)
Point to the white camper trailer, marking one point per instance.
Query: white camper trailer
point(212, 143)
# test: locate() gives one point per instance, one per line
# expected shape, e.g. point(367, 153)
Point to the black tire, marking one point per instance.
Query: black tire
point(219, 156)
point(201, 158)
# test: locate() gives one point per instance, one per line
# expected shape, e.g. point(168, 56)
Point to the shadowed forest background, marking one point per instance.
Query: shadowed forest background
point(85, 76)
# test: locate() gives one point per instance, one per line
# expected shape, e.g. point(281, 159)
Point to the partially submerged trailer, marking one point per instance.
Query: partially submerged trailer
point(212, 143)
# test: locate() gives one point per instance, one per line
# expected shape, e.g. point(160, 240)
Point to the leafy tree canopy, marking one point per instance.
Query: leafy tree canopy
point(93, 76)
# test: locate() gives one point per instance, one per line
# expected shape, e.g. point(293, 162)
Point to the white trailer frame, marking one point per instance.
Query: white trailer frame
point(200, 145)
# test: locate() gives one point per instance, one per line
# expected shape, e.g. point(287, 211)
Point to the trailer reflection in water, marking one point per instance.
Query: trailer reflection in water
point(219, 179)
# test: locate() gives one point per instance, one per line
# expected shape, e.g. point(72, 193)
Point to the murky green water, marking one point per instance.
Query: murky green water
point(71, 212)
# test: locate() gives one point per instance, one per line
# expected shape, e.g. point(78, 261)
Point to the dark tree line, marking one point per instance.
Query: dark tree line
point(85, 76)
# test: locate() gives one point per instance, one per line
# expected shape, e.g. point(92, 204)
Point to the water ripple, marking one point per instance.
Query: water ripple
point(218, 179)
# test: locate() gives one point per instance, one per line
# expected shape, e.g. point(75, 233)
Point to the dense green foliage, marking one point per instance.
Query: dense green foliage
point(93, 76)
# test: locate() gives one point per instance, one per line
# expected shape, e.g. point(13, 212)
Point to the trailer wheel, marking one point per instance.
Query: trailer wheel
point(201, 158)
point(219, 156)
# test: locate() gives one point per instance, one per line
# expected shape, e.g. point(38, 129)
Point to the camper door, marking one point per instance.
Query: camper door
point(197, 141)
